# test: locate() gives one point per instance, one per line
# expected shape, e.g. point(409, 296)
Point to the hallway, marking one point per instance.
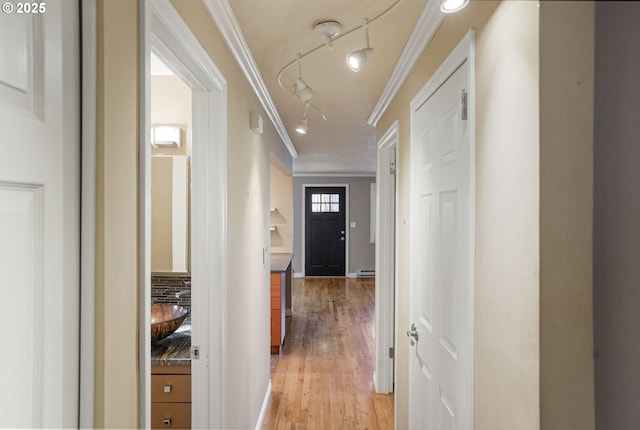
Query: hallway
point(323, 379)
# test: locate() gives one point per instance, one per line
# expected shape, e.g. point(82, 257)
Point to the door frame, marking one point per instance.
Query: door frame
point(463, 53)
point(304, 216)
point(386, 279)
point(88, 100)
point(163, 32)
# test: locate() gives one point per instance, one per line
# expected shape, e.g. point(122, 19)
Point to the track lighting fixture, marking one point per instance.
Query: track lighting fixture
point(450, 6)
point(302, 125)
point(356, 59)
point(304, 91)
point(331, 31)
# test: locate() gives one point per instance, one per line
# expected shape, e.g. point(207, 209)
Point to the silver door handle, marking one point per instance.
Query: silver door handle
point(413, 334)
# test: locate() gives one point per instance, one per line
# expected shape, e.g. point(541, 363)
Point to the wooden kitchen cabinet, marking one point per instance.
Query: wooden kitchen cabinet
point(278, 319)
point(171, 397)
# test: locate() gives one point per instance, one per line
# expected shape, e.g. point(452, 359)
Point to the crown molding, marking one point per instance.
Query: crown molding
point(225, 20)
point(430, 20)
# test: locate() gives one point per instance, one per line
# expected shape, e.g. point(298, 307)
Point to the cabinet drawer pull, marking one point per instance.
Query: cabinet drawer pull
point(167, 422)
point(167, 388)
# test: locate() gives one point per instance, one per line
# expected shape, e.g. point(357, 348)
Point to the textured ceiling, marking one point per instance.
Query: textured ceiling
point(277, 30)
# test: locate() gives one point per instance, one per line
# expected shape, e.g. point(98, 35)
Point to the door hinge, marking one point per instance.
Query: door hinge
point(392, 168)
point(464, 114)
point(392, 353)
point(195, 352)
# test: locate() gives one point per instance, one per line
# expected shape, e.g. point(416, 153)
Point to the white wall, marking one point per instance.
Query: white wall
point(617, 215)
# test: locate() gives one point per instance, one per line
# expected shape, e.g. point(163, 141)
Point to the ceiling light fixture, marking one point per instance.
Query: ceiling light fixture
point(331, 30)
point(356, 59)
point(302, 125)
point(450, 6)
point(304, 91)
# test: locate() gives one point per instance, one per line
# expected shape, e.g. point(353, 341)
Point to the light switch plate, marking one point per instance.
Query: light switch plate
point(352, 224)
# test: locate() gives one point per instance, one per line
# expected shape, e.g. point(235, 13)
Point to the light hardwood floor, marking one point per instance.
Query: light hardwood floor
point(323, 378)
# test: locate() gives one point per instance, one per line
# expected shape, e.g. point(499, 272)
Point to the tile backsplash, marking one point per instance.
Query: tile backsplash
point(164, 287)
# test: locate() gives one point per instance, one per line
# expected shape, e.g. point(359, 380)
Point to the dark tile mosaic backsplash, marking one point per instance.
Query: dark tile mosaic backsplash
point(164, 287)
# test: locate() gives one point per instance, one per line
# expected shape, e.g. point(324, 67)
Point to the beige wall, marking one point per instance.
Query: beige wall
point(116, 338)
point(170, 104)
point(161, 214)
point(248, 176)
point(116, 399)
point(281, 199)
point(566, 214)
point(507, 228)
point(532, 262)
point(450, 33)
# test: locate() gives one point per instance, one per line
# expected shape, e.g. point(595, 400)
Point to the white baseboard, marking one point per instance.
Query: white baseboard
point(265, 405)
point(298, 275)
point(352, 275)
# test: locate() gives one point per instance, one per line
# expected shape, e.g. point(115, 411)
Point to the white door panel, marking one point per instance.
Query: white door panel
point(440, 288)
point(39, 215)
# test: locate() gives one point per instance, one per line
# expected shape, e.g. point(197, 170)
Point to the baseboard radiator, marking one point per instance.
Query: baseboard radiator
point(366, 273)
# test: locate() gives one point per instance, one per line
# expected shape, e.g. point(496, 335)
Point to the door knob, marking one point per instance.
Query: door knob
point(413, 334)
point(342, 239)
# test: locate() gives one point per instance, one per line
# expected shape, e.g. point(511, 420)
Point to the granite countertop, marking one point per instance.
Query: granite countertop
point(174, 350)
point(280, 261)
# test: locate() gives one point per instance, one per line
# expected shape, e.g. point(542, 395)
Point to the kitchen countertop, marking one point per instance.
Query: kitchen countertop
point(174, 350)
point(280, 261)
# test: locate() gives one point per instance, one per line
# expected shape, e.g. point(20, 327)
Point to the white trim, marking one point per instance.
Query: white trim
point(304, 217)
point(298, 275)
point(144, 234)
point(425, 29)
point(386, 210)
point(172, 40)
point(265, 406)
point(222, 15)
point(88, 220)
point(333, 175)
point(463, 53)
point(352, 275)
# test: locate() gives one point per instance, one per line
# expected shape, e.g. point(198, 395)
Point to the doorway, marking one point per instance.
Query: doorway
point(384, 375)
point(166, 35)
point(441, 288)
point(325, 231)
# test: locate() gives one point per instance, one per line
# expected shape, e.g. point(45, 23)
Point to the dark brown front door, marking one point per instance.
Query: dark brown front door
point(325, 231)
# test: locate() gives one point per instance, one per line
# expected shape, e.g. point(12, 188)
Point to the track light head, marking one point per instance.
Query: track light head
point(450, 6)
point(356, 59)
point(304, 91)
point(302, 126)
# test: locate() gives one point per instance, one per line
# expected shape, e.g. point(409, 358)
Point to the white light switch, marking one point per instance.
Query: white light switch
point(352, 224)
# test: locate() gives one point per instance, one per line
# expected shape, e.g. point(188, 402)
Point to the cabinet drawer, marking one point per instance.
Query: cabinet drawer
point(276, 303)
point(276, 290)
point(171, 415)
point(170, 388)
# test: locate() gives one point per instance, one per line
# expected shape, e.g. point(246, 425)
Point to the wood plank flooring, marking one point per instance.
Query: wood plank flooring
point(323, 379)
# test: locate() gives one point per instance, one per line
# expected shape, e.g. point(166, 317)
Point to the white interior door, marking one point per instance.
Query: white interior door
point(39, 214)
point(441, 288)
